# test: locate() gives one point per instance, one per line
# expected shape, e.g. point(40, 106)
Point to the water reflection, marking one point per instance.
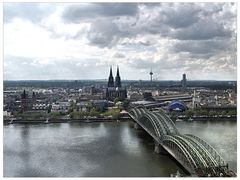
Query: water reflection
point(99, 149)
point(26, 152)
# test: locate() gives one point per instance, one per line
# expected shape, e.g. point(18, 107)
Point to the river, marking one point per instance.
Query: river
point(105, 149)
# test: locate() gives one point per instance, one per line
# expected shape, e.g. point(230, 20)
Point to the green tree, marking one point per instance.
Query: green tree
point(49, 108)
point(223, 113)
point(94, 112)
point(70, 110)
point(78, 115)
point(55, 115)
point(212, 113)
point(126, 103)
point(115, 113)
point(232, 112)
point(89, 106)
point(71, 115)
point(174, 115)
point(204, 112)
point(116, 100)
point(73, 105)
point(197, 112)
point(189, 113)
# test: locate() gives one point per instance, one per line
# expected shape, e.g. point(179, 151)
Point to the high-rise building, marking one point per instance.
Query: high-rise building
point(184, 81)
point(116, 91)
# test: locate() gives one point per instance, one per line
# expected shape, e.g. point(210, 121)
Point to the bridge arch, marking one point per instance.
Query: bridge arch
point(196, 155)
point(170, 127)
point(181, 152)
point(157, 127)
point(210, 149)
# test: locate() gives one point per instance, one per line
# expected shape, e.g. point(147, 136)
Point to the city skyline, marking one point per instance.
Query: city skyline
point(47, 41)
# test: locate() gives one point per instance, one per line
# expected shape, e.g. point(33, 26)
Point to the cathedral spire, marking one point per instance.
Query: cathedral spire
point(24, 94)
point(110, 71)
point(110, 79)
point(118, 79)
point(118, 71)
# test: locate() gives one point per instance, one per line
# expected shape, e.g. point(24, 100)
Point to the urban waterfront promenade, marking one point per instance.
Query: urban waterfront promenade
point(107, 119)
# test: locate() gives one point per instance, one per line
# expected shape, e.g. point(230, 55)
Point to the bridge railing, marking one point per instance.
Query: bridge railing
point(169, 120)
point(192, 152)
point(182, 155)
point(211, 149)
point(203, 150)
point(146, 128)
point(178, 154)
point(171, 128)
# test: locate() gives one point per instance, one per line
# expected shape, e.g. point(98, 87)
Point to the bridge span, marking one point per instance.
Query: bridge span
point(194, 154)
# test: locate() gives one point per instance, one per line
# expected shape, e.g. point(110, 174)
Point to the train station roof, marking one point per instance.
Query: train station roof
point(177, 106)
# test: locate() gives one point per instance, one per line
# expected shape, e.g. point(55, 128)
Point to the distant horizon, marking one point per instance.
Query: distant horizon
point(107, 80)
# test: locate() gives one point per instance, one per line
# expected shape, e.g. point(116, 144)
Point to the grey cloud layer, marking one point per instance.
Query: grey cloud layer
point(205, 46)
point(77, 13)
point(189, 35)
point(183, 21)
point(111, 22)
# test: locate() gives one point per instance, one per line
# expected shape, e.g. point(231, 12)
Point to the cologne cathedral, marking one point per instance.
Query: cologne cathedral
point(115, 90)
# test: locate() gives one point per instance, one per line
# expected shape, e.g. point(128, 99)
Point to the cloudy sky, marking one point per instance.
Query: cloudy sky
point(82, 40)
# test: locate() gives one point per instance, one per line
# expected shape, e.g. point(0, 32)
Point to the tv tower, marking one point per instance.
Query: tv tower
point(151, 74)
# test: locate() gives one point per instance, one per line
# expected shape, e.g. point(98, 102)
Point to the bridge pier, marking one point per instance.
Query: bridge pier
point(136, 126)
point(159, 149)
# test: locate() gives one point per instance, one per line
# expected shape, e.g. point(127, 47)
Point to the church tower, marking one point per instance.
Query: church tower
point(118, 79)
point(26, 102)
point(112, 92)
point(110, 79)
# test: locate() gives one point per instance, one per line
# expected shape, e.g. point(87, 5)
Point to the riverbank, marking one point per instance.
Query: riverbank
point(93, 120)
point(45, 121)
point(201, 118)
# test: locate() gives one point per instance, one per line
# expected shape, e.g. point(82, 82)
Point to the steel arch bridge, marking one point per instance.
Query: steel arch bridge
point(194, 154)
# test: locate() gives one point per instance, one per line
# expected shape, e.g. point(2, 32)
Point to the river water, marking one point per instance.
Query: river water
point(106, 149)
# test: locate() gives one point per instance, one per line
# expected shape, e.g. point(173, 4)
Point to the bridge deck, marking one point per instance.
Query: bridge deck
point(193, 153)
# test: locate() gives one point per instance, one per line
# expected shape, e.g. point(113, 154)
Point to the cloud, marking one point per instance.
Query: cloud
point(182, 21)
point(104, 30)
point(203, 30)
point(78, 13)
point(180, 15)
point(172, 38)
point(110, 23)
point(119, 55)
point(204, 47)
point(19, 68)
point(34, 12)
point(104, 33)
